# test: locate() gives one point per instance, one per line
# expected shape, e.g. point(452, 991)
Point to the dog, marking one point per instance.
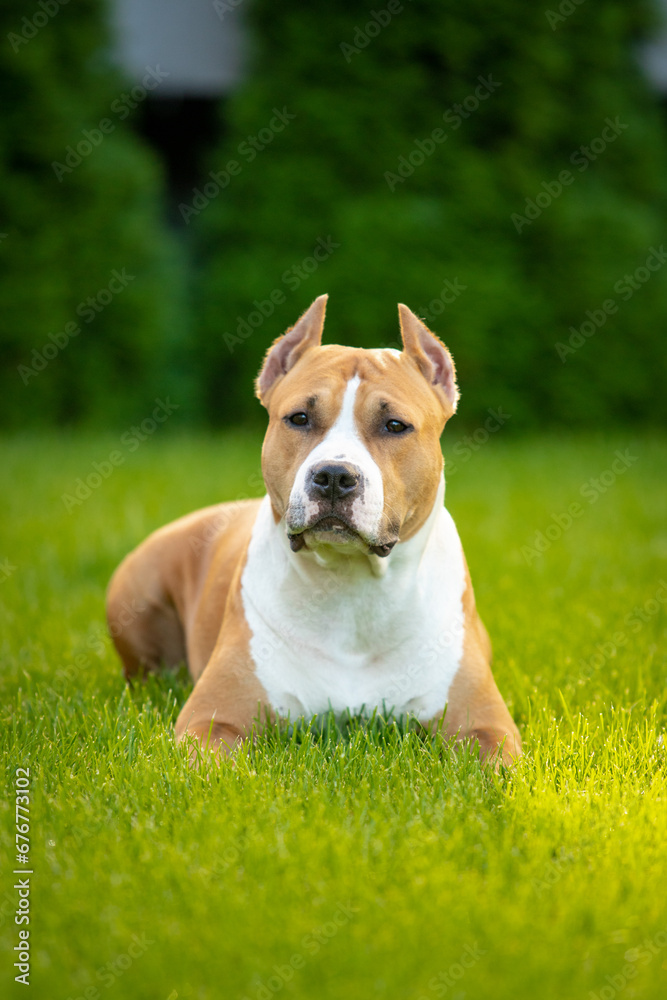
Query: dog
point(345, 588)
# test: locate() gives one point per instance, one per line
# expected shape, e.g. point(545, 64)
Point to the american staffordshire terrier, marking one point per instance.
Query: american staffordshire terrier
point(345, 587)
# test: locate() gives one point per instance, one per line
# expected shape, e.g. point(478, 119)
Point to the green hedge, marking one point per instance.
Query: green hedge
point(366, 88)
point(346, 167)
point(92, 322)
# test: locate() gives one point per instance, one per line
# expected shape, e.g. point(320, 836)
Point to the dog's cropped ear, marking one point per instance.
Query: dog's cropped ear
point(286, 350)
point(431, 356)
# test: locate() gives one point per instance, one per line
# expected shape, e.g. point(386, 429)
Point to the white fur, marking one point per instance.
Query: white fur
point(339, 636)
point(343, 443)
point(382, 354)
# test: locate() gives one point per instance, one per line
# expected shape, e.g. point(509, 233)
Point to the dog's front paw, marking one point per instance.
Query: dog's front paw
point(496, 747)
point(211, 740)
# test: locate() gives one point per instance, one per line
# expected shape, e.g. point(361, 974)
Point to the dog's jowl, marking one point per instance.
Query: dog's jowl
point(346, 586)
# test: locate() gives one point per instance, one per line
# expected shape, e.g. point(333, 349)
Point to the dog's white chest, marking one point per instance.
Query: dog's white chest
point(341, 638)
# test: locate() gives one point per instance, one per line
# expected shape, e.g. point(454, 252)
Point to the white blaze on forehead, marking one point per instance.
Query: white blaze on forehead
point(382, 354)
point(343, 443)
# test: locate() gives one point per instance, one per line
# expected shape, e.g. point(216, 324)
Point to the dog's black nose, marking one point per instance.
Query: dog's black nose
point(333, 482)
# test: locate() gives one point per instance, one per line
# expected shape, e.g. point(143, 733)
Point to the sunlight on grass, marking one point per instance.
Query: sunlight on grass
point(345, 860)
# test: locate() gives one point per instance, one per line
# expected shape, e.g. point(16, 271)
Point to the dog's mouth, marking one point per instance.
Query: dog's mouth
point(335, 530)
point(333, 522)
point(328, 529)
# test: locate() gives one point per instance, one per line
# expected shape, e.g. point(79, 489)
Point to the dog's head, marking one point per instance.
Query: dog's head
point(351, 457)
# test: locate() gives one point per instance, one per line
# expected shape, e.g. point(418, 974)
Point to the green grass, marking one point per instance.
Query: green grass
point(537, 883)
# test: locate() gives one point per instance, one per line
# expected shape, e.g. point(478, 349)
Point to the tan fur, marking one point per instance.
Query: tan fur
point(475, 710)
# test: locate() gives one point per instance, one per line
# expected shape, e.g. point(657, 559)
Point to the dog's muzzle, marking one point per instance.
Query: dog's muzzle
point(333, 492)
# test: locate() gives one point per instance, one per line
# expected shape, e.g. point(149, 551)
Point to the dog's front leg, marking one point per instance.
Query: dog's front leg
point(476, 712)
point(226, 701)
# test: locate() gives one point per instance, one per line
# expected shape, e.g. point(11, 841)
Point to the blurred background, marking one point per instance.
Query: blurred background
point(179, 179)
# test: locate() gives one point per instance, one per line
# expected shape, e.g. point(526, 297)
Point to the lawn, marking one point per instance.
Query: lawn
point(359, 863)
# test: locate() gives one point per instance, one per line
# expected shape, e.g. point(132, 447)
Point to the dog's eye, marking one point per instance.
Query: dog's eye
point(299, 419)
point(396, 426)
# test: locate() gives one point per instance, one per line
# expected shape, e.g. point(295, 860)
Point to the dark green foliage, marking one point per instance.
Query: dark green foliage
point(360, 105)
point(358, 112)
point(65, 237)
